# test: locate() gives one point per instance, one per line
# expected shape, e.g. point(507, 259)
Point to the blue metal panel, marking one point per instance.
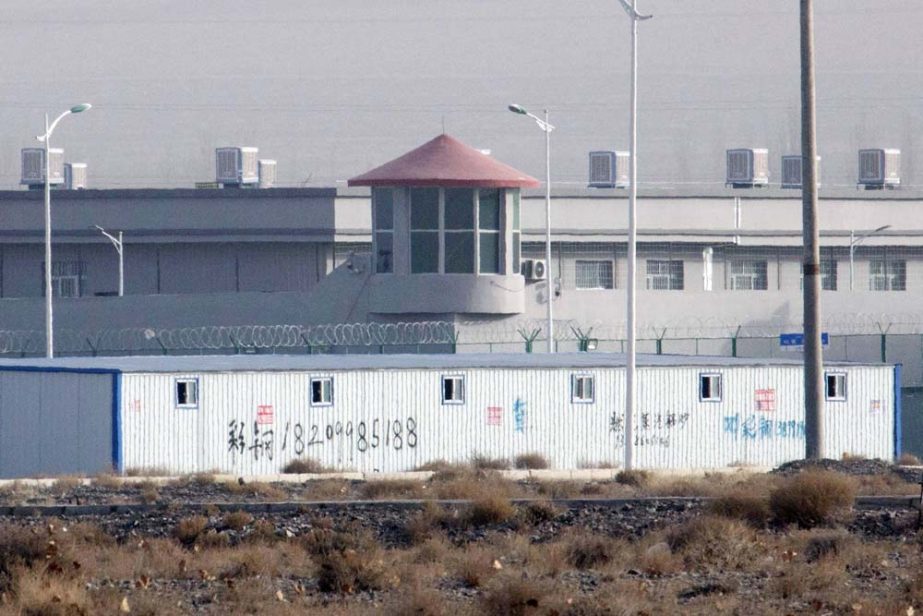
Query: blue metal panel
point(117, 423)
point(897, 410)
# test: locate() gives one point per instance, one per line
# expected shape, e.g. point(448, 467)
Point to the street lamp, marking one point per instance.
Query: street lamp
point(117, 243)
point(855, 241)
point(635, 17)
point(46, 138)
point(547, 128)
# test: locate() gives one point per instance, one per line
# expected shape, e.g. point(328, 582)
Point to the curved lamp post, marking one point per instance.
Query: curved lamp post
point(117, 244)
point(46, 138)
point(547, 128)
point(854, 241)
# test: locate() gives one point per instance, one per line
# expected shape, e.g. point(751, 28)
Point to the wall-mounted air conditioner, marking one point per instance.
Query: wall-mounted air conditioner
point(608, 169)
point(879, 168)
point(267, 172)
point(534, 269)
point(791, 171)
point(237, 166)
point(75, 176)
point(33, 166)
point(747, 168)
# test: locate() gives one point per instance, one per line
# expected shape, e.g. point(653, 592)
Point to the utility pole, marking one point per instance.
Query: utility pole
point(813, 353)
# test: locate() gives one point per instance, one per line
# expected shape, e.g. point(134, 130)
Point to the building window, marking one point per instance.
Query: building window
point(664, 275)
point(322, 391)
point(747, 275)
point(517, 234)
point(828, 274)
point(186, 393)
point(424, 230)
point(383, 204)
point(595, 274)
point(66, 278)
point(459, 231)
point(453, 390)
point(887, 275)
point(709, 388)
point(835, 385)
point(489, 230)
point(582, 388)
point(455, 230)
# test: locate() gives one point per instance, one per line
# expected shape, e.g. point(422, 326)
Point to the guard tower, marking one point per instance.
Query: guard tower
point(446, 232)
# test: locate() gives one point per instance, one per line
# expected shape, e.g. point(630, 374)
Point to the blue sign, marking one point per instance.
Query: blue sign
point(788, 341)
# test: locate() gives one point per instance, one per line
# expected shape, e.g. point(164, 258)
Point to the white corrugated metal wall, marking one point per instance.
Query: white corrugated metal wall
point(392, 420)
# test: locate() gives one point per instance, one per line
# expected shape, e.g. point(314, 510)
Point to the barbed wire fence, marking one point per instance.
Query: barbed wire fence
point(852, 337)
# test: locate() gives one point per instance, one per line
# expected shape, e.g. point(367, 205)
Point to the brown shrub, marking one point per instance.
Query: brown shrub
point(422, 525)
point(657, 559)
point(635, 478)
point(348, 561)
point(812, 498)
point(511, 596)
point(827, 544)
point(559, 489)
point(471, 488)
point(236, 520)
point(397, 488)
point(107, 481)
point(485, 463)
point(305, 466)
point(419, 602)
point(489, 510)
point(188, 529)
point(433, 550)
point(707, 540)
point(531, 461)
point(149, 493)
point(742, 505)
point(37, 594)
point(326, 489)
point(147, 471)
point(19, 546)
point(538, 512)
point(588, 551)
point(908, 459)
point(64, 485)
point(474, 567)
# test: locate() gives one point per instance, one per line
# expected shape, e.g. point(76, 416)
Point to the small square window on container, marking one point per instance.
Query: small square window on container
point(186, 393)
point(710, 386)
point(453, 389)
point(835, 385)
point(322, 391)
point(582, 388)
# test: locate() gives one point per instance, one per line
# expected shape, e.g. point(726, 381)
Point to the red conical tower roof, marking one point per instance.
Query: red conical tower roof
point(445, 161)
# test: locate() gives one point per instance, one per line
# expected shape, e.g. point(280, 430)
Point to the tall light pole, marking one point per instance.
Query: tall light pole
point(547, 128)
point(813, 352)
point(630, 358)
point(46, 138)
point(117, 243)
point(855, 241)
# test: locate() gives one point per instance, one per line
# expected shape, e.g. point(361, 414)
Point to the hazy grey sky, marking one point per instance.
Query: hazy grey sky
point(333, 88)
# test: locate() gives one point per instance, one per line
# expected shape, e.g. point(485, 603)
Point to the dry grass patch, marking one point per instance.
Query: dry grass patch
point(511, 596)
point(812, 498)
point(108, 481)
point(256, 488)
point(742, 505)
point(486, 463)
point(474, 566)
point(908, 459)
point(489, 510)
point(39, 594)
point(531, 461)
point(634, 478)
point(149, 493)
point(589, 550)
point(326, 489)
point(710, 541)
point(538, 512)
point(396, 488)
point(237, 520)
point(65, 485)
point(305, 466)
point(188, 529)
point(348, 561)
point(423, 525)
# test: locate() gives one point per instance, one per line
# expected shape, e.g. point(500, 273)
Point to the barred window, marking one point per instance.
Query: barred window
point(887, 275)
point(747, 275)
point(595, 274)
point(66, 278)
point(665, 275)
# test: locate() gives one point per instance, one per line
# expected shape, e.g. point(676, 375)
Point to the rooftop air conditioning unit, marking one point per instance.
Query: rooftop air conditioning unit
point(747, 168)
point(237, 166)
point(608, 169)
point(879, 168)
point(33, 166)
point(791, 171)
point(75, 176)
point(534, 269)
point(267, 171)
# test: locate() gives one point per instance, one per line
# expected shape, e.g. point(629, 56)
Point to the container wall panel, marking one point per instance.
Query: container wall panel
point(55, 423)
point(391, 420)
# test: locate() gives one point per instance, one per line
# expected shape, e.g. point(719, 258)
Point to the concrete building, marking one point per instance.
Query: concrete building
point(380, 413)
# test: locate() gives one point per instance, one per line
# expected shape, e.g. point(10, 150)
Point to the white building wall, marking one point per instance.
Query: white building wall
point(395, 420)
